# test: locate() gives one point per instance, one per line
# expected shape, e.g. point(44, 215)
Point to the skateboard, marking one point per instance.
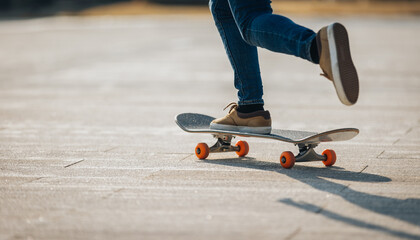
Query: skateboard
point(305, 141)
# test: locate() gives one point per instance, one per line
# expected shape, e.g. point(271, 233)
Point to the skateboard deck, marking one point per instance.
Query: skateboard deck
point(306, 141)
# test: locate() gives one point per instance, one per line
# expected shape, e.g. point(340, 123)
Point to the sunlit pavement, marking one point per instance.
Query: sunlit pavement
point(89, 148)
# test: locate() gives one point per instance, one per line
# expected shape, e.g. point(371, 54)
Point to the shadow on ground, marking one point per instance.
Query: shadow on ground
point(405, 210)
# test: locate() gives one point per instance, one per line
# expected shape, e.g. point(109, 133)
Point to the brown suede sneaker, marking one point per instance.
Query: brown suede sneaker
point(336, 63)
point(255, 122)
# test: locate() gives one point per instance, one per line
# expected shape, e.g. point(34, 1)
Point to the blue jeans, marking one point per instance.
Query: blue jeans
point(245, 25)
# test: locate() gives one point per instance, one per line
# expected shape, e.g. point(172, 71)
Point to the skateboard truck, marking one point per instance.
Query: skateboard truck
point(307, 153)
point(223, 144)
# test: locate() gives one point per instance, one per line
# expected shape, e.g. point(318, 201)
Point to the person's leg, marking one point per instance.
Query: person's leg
point(242, 56)
point(330, 47)
point(250, 23)
point(249, 116)
point(260, 27)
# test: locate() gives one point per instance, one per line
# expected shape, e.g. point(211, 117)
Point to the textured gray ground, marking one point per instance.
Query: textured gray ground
point(89, 148)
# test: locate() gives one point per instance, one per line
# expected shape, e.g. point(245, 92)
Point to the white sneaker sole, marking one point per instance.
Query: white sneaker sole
point(347, 67)
point(256, 130)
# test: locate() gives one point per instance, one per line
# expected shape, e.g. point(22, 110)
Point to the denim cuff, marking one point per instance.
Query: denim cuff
point(250, 102)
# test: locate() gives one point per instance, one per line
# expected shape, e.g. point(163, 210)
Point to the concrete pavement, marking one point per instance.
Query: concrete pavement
point(89, 148)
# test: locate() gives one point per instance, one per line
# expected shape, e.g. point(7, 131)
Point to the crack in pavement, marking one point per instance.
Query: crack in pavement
point(380, 154)
point(108, 150)
point(364, 169)
point(33, 180)
point(74, 163)
point(344, 188)
point(112, 193)
point(187, 156)
point(293, 234)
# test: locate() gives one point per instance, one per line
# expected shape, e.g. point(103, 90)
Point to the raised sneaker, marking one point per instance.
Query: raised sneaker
point(336, 63)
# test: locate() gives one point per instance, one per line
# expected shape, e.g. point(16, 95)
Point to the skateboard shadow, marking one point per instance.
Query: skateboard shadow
point(407, 210)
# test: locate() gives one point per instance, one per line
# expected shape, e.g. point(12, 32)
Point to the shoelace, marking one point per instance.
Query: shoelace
point(232, 106)
point(324, 74)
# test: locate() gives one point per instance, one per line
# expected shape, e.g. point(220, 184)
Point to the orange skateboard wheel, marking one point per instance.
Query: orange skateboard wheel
point(202, 150)
point(287, 159)
point(243, 148)
point(331, 157)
